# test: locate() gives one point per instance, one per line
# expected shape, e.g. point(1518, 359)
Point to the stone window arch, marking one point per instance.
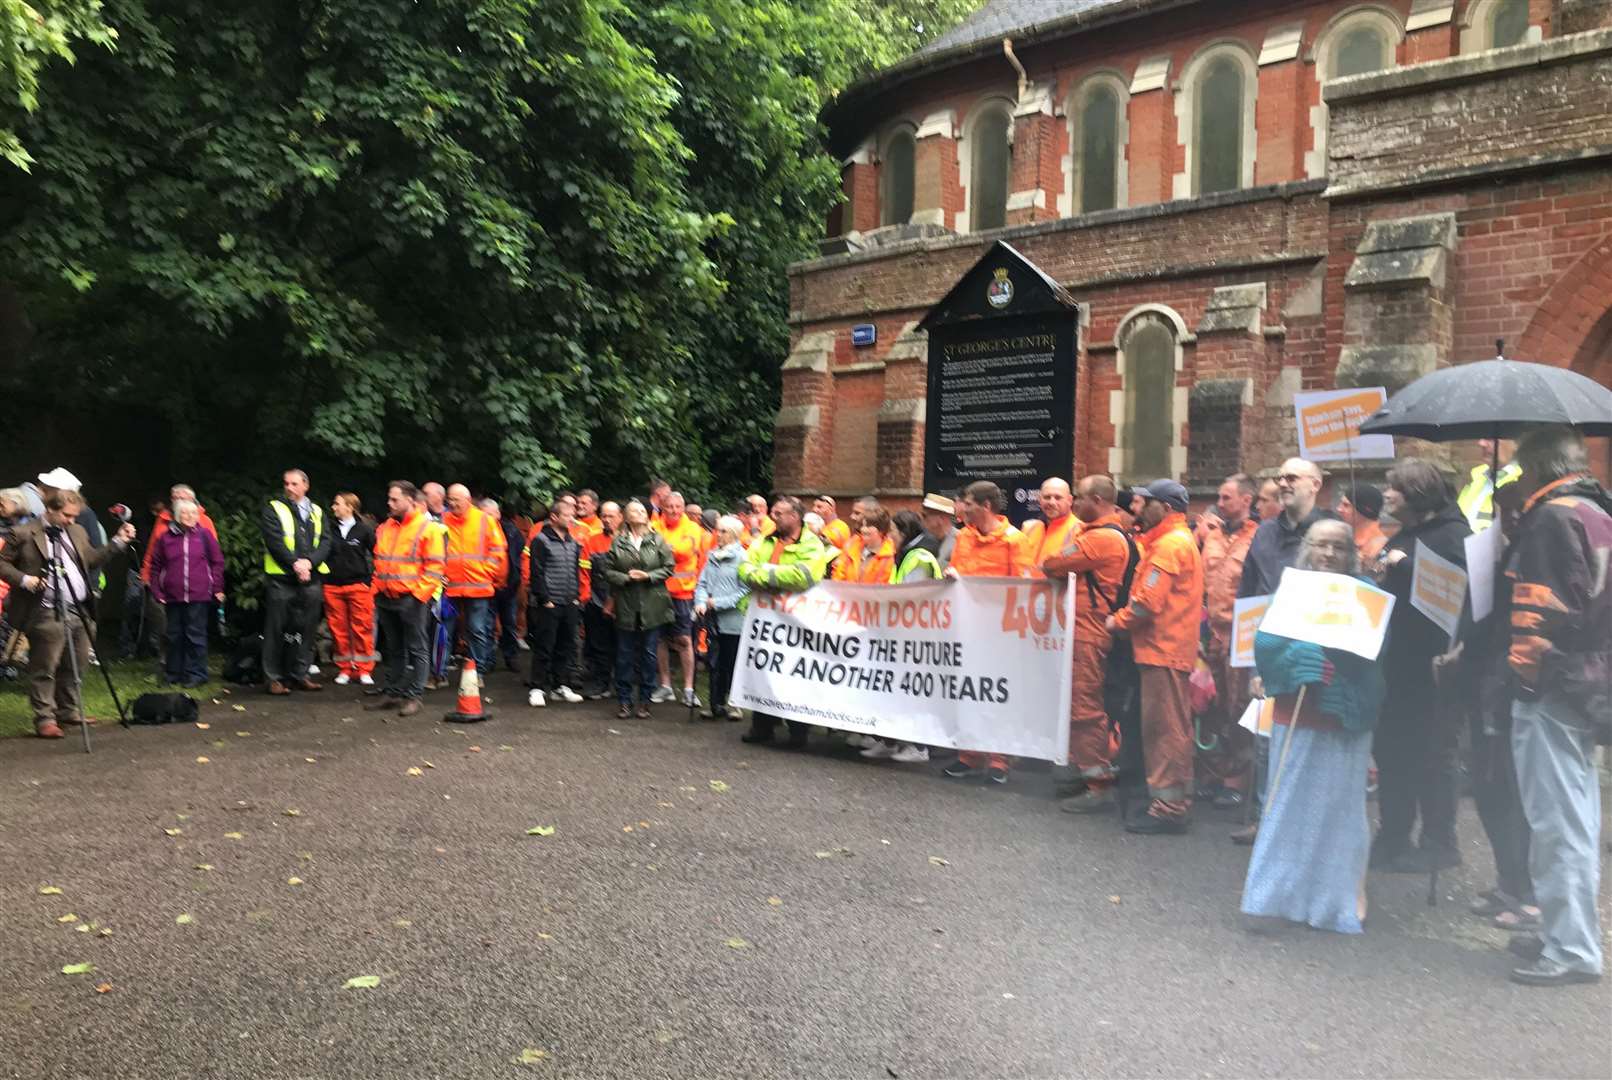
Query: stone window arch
point(987, 150)
point(1150, 407)
point(1356, 42)
point(1496, 24)
point(1215, 120)
point(1099, 135)
point(897, 175)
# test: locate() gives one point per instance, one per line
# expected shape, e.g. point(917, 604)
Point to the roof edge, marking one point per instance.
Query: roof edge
point(917, 65)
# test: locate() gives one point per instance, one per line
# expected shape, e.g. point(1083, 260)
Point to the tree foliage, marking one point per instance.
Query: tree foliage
point(31, 35)
point(515, 242)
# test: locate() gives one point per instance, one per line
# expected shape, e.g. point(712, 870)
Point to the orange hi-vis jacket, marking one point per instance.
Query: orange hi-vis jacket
point(409, 557)
point(845, 567)
point(878, 568)
point(1100, 553)
point(1169, 587)
point(477, 554)
point(582, 528)
point(1046, 540)
point(1223, 558)
point(595, 545)
point(837, 534)
point(1003, 552)
point(688, 543)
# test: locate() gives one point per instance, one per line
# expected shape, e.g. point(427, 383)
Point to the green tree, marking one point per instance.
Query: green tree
point(31, 35)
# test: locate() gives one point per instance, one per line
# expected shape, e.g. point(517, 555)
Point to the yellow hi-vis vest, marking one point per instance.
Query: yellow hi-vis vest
point(1476, 500)
point(288, 529)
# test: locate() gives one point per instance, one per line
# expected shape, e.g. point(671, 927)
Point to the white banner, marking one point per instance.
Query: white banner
point(1438, 588)
point(973, 664)
point(1482, 556)
point(1334, 611)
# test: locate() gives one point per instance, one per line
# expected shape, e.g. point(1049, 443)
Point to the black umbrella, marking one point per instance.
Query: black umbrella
point(1493, 399)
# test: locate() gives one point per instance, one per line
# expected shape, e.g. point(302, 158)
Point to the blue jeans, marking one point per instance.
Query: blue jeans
point(635, 648)
point(187, 642)
point(477, 614)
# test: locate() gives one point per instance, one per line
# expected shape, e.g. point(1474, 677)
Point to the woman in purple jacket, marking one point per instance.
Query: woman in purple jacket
point(187, 577)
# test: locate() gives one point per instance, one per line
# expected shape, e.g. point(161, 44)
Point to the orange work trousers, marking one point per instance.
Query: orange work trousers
point(1167, 743)
point(1093, 742)
point(351, 612)
point(976, 758)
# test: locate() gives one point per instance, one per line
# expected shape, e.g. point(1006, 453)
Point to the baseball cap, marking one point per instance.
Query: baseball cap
point(1168, 492)
point(59, 478)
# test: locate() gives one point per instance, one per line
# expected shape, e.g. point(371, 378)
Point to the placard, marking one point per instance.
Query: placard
point(1438, 588)
point(1329, 424)
point(1334, 611)
point(1482, 559)
point(1245, 620)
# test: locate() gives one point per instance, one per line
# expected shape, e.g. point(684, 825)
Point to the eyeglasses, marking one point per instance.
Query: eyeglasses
point(1291, 478)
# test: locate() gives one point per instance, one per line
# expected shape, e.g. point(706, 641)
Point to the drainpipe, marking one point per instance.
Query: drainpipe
point(1024, 80)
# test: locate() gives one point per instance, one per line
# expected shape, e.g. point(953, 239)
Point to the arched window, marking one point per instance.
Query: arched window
point(1149, 349)
point(1215, 121)
point(1357, 43)
point(1097, 139)
point(990, 155)
point(1496, 24)
point(896, 176)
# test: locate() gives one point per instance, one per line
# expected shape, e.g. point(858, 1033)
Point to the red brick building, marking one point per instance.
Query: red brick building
point(1248, 200)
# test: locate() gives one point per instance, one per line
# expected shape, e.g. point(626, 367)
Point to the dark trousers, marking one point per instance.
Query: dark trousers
point(764, 723)
point(291, 612)
point(187, 642)
point(1416, 747)
point(635, 663)
point(505, 604)
point(1494, 775)
point(727, 656)
point(598, 649)
point(404, 621)
point(554, 644)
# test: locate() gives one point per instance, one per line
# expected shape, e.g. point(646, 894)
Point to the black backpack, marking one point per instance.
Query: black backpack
point(163, 709)
point(245, 665)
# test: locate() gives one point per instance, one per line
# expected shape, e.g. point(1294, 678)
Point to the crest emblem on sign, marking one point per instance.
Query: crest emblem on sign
point(1000, 291)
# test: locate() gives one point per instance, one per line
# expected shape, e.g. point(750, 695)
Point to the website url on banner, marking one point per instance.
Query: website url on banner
point(829, 716)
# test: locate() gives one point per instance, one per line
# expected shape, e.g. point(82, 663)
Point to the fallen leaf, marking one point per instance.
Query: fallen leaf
point(362, 982)
point(238, 708)
point(643, 824)
point(936, 860)
point(82, 927)
point(49, 890)
point(737, 943)
point(103, 988)
point(78, 969)
point(505, 749)
point(182, 817)
point(202, 760)
point(202, 725)
point(215, 702)
point(667, 1036)
point(540, 830)
point(1113, 899)
point(886, 843)
point(67, 918)
point(219, 744)
point(530, 1056)
point(666, 804)
point(440, 850)
point(475, 749)
point(242, 734)
point(291, 811)
point(824, 854)
point(305, 856)
point(545, 937)
point(293, 881)
point(626, 828)
point(177, 832)
point(613, 731)
point(718, 786)
point(311, 760)
point(184, 920)
point(234, 836)
point(415, 770)
point(428, 765)
point(347, 720)
point(1007, 997)
point(774, 901)
point(402, 923)
point(105, 931)
point(204, 866)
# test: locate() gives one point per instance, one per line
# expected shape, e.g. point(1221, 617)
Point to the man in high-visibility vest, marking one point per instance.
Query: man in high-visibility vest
point(1476, 500)
point(836, 533)
point(477, 562)
point(587, 522)
point(409, 569)
point(1058, 525)
point(845, 566)
point(687, 541)
point(295, 545)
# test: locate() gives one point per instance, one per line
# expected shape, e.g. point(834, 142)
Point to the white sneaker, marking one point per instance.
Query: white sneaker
point(566, 694)
point(535, 699)
point(878, 750)
point(365, 680)
point(909, 754)
point(343, 679)
point(313, 669)
point(690, 699)
point(662, 695)
point(520, 643)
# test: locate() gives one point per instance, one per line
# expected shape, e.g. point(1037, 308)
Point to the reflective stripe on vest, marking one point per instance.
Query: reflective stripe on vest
point(405, 564)
point(288, 530)
point(912, 561)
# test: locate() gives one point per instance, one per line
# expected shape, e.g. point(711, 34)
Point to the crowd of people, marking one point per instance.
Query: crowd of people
point(626, 598)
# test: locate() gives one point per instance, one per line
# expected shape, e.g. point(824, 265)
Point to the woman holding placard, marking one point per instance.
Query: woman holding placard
point(1417, 742)
point(1309, 863)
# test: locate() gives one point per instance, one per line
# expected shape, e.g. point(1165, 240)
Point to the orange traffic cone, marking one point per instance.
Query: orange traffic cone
point(468, 711)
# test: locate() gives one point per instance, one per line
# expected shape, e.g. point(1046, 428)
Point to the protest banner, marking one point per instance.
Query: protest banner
point(1438, 588)
point(1245, 619)
point(1482, 557)
point(972, 664)
point(1334, 611)
point(1329, 424)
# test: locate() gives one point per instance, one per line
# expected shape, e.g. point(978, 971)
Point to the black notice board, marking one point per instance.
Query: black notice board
point(1001, 395)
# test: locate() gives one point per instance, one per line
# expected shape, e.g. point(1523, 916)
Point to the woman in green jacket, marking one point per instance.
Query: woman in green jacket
point(639, 564)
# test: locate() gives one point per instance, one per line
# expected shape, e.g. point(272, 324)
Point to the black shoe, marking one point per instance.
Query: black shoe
point(1525, 947)
point(756, 735)
point(797, 740)
point(1549, 973)
point(1153, 825)
point(957, 770)
point(1228, 799)
point(997, 776)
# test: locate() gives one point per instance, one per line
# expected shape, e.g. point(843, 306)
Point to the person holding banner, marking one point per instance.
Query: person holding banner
point(876, 557)
point(987, 546)
point(1309, 861)
point(791, 560)
point(1162, 620)
point(914, 562)
point(1417, 744)
point(1105, 557)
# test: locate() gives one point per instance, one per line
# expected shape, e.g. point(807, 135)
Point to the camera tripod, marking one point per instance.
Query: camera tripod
point(57, 579)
